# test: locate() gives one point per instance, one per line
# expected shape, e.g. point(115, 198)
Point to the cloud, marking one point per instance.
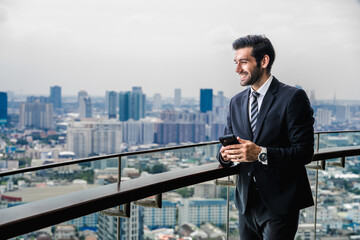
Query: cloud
point(4, 14)
point(223, 35)
point(139, 20)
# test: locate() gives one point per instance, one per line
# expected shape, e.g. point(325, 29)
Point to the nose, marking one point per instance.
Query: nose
point(238, 68)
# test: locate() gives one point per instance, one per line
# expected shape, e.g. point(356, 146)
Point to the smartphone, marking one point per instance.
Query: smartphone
point(228, 140)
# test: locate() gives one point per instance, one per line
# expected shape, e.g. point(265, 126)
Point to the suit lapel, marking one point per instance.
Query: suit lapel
point(245, 113)
point(265, 107)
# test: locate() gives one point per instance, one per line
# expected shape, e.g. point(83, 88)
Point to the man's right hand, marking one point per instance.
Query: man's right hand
point(246, 151)
point(228, 152)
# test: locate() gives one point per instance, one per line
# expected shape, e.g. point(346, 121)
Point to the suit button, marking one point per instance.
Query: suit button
point(249, 174)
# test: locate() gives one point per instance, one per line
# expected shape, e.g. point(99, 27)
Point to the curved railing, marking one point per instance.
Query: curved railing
point(32, 216)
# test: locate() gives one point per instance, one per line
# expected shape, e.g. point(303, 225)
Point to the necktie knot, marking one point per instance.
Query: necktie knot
point(255, 94)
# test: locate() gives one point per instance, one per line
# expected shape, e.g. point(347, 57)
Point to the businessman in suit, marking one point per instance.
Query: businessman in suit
point(274, 124)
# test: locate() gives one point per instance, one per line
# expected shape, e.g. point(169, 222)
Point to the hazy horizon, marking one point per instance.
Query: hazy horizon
point(162, 45)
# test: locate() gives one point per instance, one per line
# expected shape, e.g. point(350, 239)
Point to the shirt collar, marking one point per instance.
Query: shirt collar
point(263, 89)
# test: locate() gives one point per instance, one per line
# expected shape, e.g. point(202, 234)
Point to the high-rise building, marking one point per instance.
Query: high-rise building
point(107, 137)
point(180, 132)
point(124, 105)
point(198, 211)
point(323, 117)
point(130, 228)
point(164, 217)
point(111, 97)
point(3, 107)
point(55, 96)
point(79, 138)
point(107, 100)
point(84, 103)
point(138, 103)
point(138, 132)
point(342, 113)
point(37, 115)
point(177, 98)
point(132, 104)
point(206, 100)
point(166, 132)
point(90, 137)
point(219, 100)
point(157, 102)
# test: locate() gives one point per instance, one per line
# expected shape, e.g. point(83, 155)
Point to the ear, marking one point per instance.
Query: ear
point(265, 61)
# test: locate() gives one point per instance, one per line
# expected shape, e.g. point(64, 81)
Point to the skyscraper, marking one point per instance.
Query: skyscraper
point(85, 106)
point(55, 96)
point(124, 105)
point(206, 100)
point(137, 103)
point(37, 115)
point(177, 99)
point(157, 102)
point(3, 107)
point(132, 104)
point(111, 103)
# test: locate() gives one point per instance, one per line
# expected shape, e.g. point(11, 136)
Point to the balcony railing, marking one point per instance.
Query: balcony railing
point(35, 215)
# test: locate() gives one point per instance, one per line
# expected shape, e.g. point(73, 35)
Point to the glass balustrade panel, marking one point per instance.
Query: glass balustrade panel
point(37, 185)
point(338, 192)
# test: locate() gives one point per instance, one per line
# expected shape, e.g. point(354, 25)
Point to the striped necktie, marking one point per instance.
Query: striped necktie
point(254, 111)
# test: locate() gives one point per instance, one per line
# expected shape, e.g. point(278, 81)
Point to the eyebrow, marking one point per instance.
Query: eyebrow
point(242, 59)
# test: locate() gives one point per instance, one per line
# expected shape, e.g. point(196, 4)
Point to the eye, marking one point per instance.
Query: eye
point(243, 62)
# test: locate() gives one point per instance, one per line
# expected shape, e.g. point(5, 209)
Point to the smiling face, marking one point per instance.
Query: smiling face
point(246, 67)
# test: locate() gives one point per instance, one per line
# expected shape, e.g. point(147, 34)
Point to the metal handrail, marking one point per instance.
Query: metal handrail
point(95, 158)
point(91, 159)
point(343, 131)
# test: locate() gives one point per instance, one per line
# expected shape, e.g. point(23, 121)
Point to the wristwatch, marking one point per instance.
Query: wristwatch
point(262, 157)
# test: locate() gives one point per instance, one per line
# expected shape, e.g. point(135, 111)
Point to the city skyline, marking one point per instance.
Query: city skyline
point(23, 97)
point(142, 44)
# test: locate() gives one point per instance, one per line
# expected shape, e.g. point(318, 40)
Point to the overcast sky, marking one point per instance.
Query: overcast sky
point(161, 45)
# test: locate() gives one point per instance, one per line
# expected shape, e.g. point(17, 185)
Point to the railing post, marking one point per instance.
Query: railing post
point(228, 210)
point(119, 182)
point(316, 184)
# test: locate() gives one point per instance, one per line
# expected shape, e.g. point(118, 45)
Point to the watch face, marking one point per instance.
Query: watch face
point(263, 157)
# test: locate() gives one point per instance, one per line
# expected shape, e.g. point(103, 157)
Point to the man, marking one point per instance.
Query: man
point(274, 124)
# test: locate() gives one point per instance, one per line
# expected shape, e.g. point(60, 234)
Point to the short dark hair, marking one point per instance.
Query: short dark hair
point(261, 46)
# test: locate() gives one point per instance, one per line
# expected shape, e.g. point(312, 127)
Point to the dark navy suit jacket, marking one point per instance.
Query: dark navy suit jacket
point(285, 128)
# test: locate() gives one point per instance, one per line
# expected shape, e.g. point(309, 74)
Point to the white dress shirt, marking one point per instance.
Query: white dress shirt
point(262, 91)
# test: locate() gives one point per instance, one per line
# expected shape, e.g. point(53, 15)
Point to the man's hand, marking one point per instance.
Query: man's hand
point(246, 151)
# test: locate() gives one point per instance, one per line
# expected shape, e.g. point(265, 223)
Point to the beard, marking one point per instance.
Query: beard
point(255, 77)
